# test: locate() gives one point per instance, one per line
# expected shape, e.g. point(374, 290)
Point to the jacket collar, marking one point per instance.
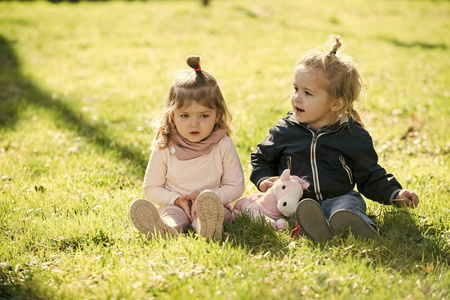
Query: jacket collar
point(345, 120)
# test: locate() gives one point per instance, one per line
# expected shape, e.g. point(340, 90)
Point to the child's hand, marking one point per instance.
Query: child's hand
point(265, 184)
point(193, 198)
point(408, 198)
point(185, 202)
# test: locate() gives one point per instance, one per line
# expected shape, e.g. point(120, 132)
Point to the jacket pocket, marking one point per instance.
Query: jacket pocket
point(346, 168)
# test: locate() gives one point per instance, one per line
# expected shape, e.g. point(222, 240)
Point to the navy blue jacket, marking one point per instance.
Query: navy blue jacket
point(332, 159)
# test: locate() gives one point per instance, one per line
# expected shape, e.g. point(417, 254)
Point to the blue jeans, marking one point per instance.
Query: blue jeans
point(352, 201)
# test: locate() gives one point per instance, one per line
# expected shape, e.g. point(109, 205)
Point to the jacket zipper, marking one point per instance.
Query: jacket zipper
point(315, 171)
point(346, 168)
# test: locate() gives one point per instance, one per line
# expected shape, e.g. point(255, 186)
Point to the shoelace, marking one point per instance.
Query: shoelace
point(296, 231)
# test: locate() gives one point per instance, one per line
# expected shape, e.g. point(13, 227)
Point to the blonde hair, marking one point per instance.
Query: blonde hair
point(191, 85)
point(344, 80)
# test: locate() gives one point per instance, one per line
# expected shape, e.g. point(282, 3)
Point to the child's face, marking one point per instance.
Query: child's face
point(194, 121)
point(310, 101)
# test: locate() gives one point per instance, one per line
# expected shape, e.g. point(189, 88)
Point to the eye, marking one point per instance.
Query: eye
point(295, 88)
point(308, 93)
point(184, 116)
point(204, 116)
point(283, 187)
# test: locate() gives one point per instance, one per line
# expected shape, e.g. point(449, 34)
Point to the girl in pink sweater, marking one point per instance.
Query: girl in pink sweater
point(194, 172)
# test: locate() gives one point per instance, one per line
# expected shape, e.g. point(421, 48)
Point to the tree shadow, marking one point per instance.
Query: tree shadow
point(411, 44)
point(18, 92)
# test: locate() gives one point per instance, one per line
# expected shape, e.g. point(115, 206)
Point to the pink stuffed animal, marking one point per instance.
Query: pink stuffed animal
point(280, 200)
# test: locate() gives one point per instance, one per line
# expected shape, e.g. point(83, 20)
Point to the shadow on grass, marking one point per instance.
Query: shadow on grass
point(256, 236)
point(419, 239)
point(17, 93)
point(20, 282)
point(411, 44)
point(405, 242)
point(19, 285)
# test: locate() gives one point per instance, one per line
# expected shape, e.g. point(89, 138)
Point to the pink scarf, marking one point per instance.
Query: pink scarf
point(184, 150)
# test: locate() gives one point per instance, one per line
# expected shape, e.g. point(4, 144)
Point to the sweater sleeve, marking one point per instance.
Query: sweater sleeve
point(232, 182)
point(154, 186)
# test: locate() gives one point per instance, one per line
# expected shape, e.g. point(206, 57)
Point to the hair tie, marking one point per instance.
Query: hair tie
point(199, 69)
point(334, 52)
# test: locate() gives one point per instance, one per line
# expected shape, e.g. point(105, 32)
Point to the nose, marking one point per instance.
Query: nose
point(296, 97)
point(194, 122)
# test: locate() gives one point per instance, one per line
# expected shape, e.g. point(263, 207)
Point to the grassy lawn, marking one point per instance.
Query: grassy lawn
point(81, 83)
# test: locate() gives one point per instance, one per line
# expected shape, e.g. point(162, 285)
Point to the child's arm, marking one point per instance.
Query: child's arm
point(372, 180)
point(155, 180)
point(408, 198)
point(232, 184)
point(265, 162)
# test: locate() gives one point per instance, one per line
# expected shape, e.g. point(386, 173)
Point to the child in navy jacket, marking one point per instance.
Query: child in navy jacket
point(323, 139)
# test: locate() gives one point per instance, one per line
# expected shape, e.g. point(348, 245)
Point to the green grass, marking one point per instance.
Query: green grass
point(81, 83)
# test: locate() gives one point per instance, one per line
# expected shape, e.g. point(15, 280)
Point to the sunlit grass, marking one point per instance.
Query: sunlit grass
point(81, 83)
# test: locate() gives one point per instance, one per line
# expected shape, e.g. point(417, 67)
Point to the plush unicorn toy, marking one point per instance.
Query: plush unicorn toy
point(280, 200)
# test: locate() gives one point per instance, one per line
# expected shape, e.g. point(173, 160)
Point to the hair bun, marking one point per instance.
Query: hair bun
point(193, 61)
point(337, 44)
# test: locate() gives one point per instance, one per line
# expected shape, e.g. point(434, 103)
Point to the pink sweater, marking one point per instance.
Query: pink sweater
point(167, 177)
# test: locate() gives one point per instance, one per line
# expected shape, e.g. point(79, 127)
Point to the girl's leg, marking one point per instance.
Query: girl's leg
point(146, 219)
point(352, 201)
point(210, 215)
point(229, 215)
point(312, 221)
point(174, 216)
point(348, 213)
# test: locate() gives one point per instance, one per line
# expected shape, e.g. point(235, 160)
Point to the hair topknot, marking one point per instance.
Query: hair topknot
point(193, 61)
point(337, 44)
point(187, 86)
point(342, 77)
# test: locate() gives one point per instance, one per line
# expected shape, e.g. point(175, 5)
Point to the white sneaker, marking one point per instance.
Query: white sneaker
point(146, 219)
point(210, 213)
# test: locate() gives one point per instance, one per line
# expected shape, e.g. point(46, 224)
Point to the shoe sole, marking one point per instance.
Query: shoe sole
point(210, 213)
point(342, 221)
point(312, 221)
point(146, 219)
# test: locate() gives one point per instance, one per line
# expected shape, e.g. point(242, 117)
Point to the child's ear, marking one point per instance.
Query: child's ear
point(338, 104)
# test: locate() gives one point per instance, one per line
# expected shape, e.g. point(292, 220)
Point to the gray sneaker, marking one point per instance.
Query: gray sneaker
point(312, 221)
point(210, 213)
point(344, 221)
point(146, 219)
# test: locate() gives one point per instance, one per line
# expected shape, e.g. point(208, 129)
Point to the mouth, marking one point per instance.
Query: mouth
point(194, 133)
point(298, 110)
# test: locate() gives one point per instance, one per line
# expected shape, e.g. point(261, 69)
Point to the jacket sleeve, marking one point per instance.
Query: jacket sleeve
point(372, 180)
point(232, 183)
point(154, 186)
point(266, 159)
